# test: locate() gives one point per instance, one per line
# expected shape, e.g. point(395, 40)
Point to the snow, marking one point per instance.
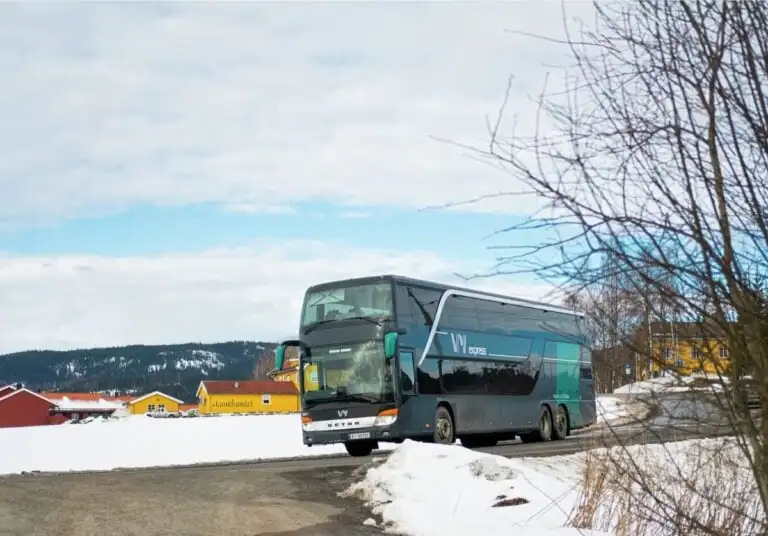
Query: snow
point(205, 359)
point(85, 405)
point(141, 441)
point(156, 367)
point(616, 410)
point(436, 490)
point(130, 441)
point(673, 384)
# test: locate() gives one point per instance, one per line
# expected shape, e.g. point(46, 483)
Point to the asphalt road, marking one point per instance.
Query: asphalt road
point(296, 497)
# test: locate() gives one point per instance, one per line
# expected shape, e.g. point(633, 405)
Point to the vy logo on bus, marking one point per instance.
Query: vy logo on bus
point(460, 346)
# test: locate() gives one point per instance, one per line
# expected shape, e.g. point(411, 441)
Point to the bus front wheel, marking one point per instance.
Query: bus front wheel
point(360, 448)
point(444, 432)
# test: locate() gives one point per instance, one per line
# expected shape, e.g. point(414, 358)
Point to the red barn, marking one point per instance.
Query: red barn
point(22, 407)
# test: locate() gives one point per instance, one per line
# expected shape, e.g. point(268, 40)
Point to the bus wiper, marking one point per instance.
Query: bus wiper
point(366, 318)
point(362, 397)
point(312, 327)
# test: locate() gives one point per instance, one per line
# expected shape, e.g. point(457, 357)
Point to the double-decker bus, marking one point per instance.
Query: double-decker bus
point(385, 358)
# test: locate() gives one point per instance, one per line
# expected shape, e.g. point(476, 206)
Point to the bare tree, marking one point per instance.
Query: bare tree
point(264, 365)
point(611, 308)
point(656, 156)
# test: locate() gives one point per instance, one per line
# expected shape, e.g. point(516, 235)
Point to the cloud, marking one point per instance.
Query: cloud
point(245, 293)
point(255, 208)
point(106, 106)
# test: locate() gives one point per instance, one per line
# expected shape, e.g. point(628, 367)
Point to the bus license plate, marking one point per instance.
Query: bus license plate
point(360, 435)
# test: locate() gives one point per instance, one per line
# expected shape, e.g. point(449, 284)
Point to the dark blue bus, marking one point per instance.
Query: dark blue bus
point(386, 358)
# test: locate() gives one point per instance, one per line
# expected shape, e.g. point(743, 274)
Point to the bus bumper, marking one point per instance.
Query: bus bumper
point(327, 437)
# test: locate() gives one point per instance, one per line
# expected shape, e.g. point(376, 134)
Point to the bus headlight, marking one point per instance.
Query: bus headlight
point(306, 420)
point(386, 417)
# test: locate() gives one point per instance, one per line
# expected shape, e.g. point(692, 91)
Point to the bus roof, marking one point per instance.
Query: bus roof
point(432, 285)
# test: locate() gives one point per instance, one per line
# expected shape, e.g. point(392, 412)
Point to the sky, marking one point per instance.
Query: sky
point(183, 171)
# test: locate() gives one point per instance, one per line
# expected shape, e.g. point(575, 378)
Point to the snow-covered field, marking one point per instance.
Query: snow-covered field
point(139, 441)
point(432, 490)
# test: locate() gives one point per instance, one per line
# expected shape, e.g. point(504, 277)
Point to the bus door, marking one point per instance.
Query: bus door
point(406, 391)
point(406, 374)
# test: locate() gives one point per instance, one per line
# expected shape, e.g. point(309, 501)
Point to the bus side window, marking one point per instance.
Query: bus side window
point(423, 304)
point(407, 372)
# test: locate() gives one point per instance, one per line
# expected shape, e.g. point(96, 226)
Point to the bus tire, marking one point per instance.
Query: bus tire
point(545, 424)
point(359, 448)
point(544, 433)
point(560, 424)
point(444, 432)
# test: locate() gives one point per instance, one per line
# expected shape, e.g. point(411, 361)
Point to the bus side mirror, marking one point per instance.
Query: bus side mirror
point(390, 344)
point(279, 357)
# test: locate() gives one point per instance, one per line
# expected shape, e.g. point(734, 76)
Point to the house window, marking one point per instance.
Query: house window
point(696, 353)
point(150, 408)
point(667, 354)
point(266, 399)
point(161, 408)
point(724, 352)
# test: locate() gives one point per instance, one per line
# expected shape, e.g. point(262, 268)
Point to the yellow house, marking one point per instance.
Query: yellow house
point(154, 402)
point(247, 396)
point(687, 348)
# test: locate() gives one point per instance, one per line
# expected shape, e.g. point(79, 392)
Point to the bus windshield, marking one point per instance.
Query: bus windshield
point(367, 301)
point(358, 372)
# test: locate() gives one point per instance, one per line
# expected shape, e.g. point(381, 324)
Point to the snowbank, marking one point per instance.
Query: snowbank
point(433, 490)
point(140, 441)
point(615, 410)
point(673, 384)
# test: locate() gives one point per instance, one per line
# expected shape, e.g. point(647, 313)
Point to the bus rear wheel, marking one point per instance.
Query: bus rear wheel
point(544, 433)
point(560, 424)
point(360, 448)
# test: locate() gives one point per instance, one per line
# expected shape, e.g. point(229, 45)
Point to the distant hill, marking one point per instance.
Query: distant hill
point(176, 369)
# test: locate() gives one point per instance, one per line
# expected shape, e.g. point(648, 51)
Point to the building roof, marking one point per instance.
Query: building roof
point(4, 397)
point(6, 389)
point(86, 397)
point(153, 393)
point(248, 387)
point(686, 330)
point(65, 404)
